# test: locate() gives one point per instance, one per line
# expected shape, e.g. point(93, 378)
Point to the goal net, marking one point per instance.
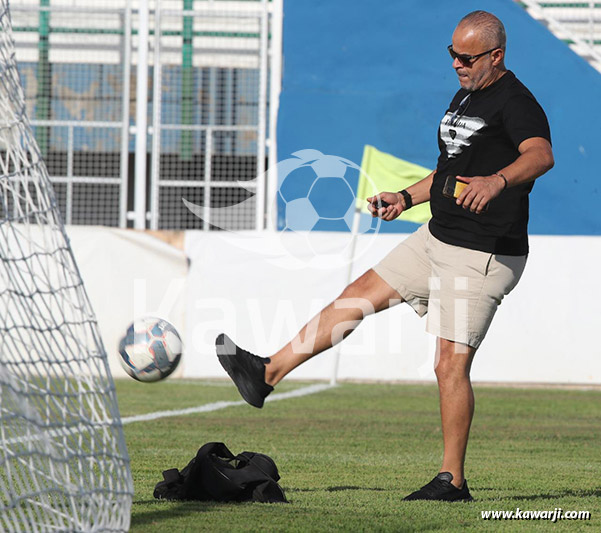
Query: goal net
point(63, 461)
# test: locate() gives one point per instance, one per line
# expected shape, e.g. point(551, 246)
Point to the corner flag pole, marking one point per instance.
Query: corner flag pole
point(349, 276)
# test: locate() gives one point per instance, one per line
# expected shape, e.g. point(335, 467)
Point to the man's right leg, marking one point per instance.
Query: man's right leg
point(406, 270)
point(255, 376)
point(366, 295)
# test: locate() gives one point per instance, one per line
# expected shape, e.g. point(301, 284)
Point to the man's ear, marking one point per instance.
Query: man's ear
point(498, 56)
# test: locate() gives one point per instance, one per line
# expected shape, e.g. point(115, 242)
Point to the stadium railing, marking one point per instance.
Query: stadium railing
point(207, 130)
point(577, 23)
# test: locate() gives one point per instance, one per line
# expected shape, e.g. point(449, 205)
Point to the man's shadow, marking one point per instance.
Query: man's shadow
point(590, 493)
point(176, 509)
point(334, 489)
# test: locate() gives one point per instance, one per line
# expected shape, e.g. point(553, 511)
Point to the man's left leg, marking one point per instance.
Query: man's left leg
point(452, 367)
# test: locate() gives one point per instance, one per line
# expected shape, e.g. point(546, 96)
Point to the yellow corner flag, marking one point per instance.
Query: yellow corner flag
point(384, 172)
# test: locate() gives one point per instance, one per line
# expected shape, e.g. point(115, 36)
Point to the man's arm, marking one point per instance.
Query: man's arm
point(536, 158)
point(420, 193)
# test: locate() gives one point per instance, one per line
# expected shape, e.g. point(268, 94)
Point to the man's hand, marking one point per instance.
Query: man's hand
point(479, 192)
point(395, 208)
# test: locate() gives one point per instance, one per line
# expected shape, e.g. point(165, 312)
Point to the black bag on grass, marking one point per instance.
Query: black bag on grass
point(216, 474)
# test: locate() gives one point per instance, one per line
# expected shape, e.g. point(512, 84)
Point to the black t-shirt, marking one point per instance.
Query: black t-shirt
point(479, 137)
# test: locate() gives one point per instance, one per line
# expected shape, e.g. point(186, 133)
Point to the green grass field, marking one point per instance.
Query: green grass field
point(347, 456)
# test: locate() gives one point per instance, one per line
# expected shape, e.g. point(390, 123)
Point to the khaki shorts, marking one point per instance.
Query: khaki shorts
point(459, 288)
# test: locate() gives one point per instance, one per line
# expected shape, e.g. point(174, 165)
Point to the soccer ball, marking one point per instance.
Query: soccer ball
point(150, 350)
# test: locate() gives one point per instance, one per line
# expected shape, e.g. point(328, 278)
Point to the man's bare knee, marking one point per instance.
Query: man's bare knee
point(360, 287)
point(373, 289)
point(453, 360)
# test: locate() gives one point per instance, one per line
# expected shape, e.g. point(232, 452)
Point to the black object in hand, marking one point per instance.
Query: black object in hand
point(378, 204)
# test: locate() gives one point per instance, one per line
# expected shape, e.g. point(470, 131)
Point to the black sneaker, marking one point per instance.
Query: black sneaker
point(246, 370)
point(441, 488)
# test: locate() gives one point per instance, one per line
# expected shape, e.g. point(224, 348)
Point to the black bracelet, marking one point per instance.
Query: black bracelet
point(407, 197)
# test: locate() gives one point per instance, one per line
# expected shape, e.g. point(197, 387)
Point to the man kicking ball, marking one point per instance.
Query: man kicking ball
point(494, 138)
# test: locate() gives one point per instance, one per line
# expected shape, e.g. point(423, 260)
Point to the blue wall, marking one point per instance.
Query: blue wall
point(381, 75)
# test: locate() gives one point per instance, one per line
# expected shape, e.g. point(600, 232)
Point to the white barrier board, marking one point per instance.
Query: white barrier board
point(261, 287)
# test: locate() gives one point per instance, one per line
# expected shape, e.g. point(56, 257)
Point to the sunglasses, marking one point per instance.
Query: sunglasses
point(465, 59)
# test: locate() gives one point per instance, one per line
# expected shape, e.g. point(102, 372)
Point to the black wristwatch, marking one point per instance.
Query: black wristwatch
point(407, 197)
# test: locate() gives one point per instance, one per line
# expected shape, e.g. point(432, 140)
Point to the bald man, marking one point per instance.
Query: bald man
point(494, 142)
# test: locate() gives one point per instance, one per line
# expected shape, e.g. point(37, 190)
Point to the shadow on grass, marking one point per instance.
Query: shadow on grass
point(165, 509)
point(593, 493)
point(335, 489)
point(561, 494)
point(172, 509)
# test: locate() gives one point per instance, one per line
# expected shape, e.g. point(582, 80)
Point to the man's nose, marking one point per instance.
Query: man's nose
point(457, 64)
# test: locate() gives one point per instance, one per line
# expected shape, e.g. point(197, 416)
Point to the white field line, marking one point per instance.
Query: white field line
point(46, 435)
point(209, 407)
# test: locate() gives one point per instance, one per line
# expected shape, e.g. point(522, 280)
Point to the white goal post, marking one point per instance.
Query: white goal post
point(63, 461)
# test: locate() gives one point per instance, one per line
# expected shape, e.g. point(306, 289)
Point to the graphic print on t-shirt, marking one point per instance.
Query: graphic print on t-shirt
point(458, 135)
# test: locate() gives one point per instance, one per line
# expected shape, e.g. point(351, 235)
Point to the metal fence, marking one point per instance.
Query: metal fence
point(576, 22)
point(209, 125)
point(76, 82)
point(125, 153)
